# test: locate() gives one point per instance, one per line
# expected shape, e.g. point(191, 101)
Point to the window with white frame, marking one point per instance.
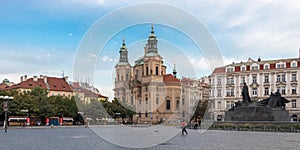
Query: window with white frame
point(219, 105)
point(232, 92)
point(294, 103)
point(243, 79)
point(283, 78)
point(254, 79)
point(293, 64)
point(219, 93)
point(230, 69)
point(294, 77)
point(280, 65)
point(230, 80)
point(254, 66)
point(229, 104)
point(228, 93)
point(219, 82)
point(254, 91)
point(266, 78)
point(278, 78)
point(294, 90)
point(243, 68)
point(267, 66)
point(266, 90)
point(212, 93)
point(283, 90)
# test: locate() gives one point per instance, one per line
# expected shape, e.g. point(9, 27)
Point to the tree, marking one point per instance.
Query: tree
point(39, 104)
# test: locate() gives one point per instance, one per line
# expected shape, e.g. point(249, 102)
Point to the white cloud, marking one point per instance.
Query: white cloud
point(200, 64)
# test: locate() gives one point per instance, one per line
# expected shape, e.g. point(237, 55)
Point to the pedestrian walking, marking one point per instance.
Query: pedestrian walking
point(183, 125)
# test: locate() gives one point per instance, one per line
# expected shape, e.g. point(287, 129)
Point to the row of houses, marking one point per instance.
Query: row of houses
point(55, 87)
point(147, 86)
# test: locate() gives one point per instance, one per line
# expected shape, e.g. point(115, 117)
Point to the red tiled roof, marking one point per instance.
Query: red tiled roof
point(58, 84)
point(170, 78)
point(3, 86)
point(55, 84)
point(75, 85)
point(29, 84)
point(89, 93)
point(219, 70)
point(101, 96)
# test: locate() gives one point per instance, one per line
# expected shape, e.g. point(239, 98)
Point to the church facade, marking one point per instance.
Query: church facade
point(155, 95)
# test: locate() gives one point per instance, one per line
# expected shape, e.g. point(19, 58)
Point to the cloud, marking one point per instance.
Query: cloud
point(200, 64)
point(251, 28)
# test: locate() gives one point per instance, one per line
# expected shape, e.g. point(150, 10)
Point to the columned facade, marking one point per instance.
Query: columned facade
point(262, 77)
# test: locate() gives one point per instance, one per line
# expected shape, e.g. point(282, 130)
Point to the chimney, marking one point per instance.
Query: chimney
point(21, 78)
point(25, 77)
point(45, 79)
point(35, 78)
point(66, 78)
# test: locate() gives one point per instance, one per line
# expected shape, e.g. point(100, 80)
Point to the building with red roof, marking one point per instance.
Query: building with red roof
point(54, 86)
point(262, 76)
point(86, 93)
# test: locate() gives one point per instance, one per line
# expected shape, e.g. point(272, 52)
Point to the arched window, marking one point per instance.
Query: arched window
point(156, 70)
point(177, 104)
point(168, 104)
point(147, 73)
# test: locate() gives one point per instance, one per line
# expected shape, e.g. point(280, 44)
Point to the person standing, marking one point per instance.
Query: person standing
point(183, 125)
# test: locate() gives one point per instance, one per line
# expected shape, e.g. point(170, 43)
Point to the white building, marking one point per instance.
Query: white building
point(262, 77)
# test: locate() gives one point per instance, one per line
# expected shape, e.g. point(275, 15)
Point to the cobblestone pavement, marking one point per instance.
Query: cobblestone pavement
point(84, 138)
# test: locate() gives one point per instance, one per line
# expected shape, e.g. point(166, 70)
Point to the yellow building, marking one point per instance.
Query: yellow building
point(55, 86)
point(145, 85)
point(86, 93)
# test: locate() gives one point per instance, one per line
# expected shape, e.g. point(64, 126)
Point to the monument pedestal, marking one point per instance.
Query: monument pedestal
point(257, 113)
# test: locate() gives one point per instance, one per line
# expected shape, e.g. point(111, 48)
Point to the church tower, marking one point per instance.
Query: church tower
point(123, 75)
point(153, 64)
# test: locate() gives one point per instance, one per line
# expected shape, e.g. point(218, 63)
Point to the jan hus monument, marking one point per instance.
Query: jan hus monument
point(269, 109)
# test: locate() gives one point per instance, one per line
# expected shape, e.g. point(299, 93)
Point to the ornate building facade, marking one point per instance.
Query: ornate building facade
point(156, 96)
point(262, 77)
point(145, 85)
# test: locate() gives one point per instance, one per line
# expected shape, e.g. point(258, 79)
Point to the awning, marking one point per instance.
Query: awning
point(16, 119)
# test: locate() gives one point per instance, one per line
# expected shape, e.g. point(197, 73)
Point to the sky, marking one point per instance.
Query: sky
point(45, 37)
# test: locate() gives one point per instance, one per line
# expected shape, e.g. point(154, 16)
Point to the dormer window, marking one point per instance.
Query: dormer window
point(280, 65)
point(230, 69)
point(267, 66)
point(243, 68)
point(254, 66)
point(294, 64)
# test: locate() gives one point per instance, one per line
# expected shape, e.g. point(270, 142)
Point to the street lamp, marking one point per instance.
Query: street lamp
point(5, 100)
